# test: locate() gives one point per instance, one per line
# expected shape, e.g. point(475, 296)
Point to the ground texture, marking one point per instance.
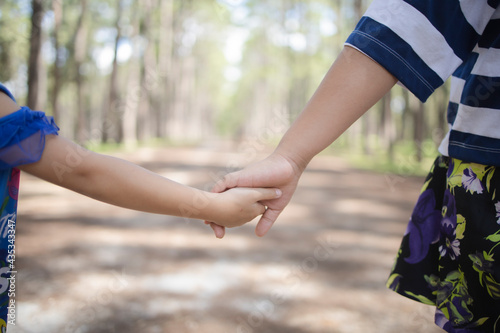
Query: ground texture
point(84, 266)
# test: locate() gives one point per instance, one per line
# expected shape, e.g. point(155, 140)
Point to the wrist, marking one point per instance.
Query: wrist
point(212, 207)
point(193, 203)
point(297, 161)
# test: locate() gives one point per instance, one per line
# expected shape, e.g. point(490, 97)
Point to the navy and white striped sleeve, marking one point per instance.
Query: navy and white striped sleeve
point(422, 42)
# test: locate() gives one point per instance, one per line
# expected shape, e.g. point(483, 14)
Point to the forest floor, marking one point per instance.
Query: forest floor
point(84, 266)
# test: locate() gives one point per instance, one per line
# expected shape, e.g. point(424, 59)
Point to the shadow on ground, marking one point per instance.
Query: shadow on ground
point(88, 267)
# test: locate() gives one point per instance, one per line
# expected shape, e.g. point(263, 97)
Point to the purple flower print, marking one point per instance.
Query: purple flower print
point(441, 321)
point(454, 299)
point(449, 244)
point(423, 228)
point(483, 263)
point(470, 182)
point(480, 263)
point(497, 208)
point(444, 323)
point(394, 285)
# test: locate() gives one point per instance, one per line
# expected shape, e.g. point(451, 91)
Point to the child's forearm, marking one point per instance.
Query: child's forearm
point(133, 187)
point(353, 85)
point(112, 180)
point(117, 182)
point(121, 183)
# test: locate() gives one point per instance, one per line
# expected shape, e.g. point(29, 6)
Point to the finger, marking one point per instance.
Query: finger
point(219, 231)
point(266, 222)
point(229, 181)
point(260, 208)
point(267, 193)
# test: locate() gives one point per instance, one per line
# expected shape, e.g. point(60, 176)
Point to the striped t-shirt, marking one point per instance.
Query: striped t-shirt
point(423, 43)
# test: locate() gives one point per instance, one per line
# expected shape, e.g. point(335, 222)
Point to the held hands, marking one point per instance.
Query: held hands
point(275, 171)
point(238, 206)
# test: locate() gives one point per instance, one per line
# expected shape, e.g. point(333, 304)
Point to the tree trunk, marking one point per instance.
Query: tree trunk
point(387, 125)
point(358, 9)
point(163, 92)
point(405, 117)
point(442, 108)
point(184, 76)
point(111, 126)
point(419, 129)
point(149, 80)
point(34, 55)
point(80, 49)
point(178, 124)
point(57, 8)
point(136, 99)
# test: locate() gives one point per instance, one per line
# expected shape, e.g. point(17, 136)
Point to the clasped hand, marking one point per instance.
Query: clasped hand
point(275, 171)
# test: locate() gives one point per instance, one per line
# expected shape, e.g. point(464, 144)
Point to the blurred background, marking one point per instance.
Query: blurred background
point(193, 90)
point(130, 71)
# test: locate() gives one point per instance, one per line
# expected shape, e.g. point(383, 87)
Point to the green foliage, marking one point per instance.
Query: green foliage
point(14, 37)
point(218, 67)
point(403, 162)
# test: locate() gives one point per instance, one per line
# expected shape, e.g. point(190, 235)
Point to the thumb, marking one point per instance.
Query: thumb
point(229, 181)
point(219, 231)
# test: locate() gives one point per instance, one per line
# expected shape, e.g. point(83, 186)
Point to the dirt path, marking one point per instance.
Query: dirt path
point(89, 267)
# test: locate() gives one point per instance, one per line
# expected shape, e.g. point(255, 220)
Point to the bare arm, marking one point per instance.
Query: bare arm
point(118, 182)
point(121, 183)
point(353, 85)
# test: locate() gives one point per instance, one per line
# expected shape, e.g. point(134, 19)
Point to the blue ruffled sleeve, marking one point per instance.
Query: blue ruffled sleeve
point(22, 136)
point(7, 92)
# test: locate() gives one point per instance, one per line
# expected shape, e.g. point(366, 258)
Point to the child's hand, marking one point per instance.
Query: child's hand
point(276, 172)
point(238, 206)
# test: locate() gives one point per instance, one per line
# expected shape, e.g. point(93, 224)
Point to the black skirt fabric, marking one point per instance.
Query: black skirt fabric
point(450, 253)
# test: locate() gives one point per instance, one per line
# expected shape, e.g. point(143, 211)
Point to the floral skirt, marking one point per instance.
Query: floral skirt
point(450, 254)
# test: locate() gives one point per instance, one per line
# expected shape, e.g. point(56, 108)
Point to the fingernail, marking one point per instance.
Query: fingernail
point(278, 193)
